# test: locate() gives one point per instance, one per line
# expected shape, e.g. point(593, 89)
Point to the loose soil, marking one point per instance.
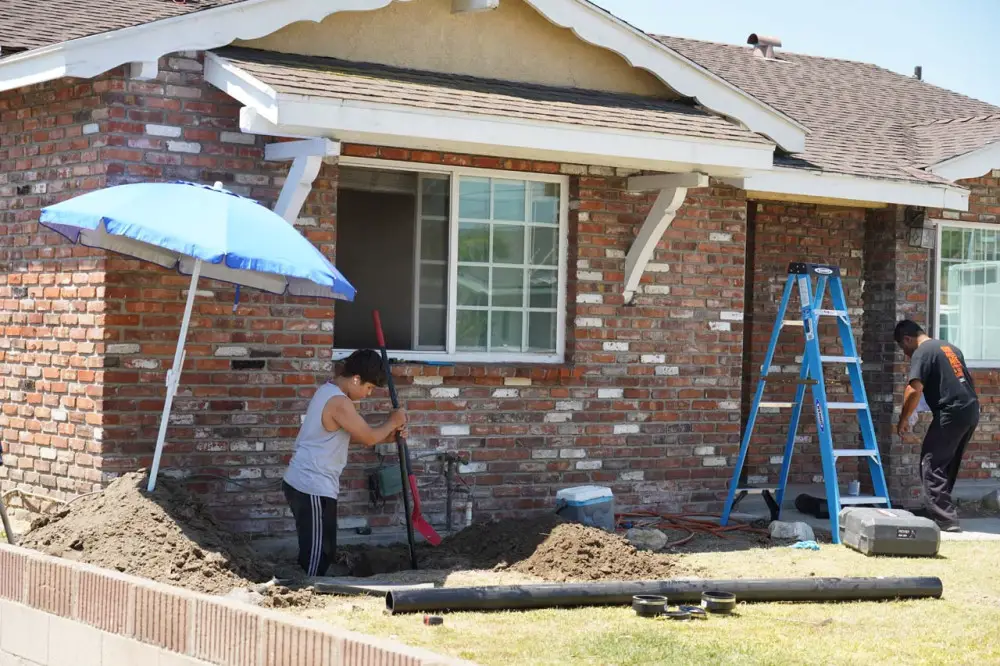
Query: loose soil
point(546, 547)
point(167, 536)
point(578, 552)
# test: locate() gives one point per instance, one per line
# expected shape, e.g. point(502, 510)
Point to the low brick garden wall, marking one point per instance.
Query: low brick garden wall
point(54, 612)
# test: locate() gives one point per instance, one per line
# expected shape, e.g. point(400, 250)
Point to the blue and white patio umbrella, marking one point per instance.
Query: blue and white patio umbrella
point(201, 231)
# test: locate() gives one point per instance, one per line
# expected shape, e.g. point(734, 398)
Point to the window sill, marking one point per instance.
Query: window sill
point(983, 365)
point(465, 358)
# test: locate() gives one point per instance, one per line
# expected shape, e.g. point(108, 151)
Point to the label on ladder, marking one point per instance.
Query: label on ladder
point(805, 292)
point(819, 417)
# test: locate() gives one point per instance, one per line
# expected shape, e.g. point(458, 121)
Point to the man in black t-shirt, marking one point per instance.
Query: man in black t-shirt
point(938, 371)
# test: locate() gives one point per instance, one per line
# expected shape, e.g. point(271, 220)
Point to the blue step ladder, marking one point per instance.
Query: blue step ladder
point(812, 294)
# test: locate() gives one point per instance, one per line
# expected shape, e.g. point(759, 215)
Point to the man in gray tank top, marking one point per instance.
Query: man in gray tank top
point(312, 482)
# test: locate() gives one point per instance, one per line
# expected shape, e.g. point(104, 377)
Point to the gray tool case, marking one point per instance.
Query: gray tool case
point(888, 532)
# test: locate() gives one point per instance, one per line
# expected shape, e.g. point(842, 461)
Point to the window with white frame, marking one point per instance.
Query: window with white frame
point(462, 264)
point(967, 309)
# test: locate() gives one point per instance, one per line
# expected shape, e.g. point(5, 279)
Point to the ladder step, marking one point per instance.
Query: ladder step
point(863, 499)
point(822, 313)
point(847, 405)
point(776, 405)
point(758, 491)
point(840, 359)
point(778, 378)
point(853, 453)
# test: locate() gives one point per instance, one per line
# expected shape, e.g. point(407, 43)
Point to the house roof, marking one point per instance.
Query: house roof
point(341, 79)
point(940, 140)
point(864, 120)
point(31, 24)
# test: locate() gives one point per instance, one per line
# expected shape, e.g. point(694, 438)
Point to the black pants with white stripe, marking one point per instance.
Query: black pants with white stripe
point(316, 524)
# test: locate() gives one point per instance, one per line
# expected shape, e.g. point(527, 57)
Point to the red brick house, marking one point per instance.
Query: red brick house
point(576, 233)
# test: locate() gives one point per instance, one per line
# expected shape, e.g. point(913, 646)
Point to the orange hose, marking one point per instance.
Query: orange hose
point(688, 522)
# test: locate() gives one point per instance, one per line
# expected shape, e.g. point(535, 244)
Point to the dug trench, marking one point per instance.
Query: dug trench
point(170, 536)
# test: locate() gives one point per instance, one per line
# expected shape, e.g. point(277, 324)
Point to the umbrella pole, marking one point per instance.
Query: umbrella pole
point(174, 376)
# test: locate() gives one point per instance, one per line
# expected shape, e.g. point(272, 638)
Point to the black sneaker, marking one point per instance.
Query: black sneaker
point(953, 528)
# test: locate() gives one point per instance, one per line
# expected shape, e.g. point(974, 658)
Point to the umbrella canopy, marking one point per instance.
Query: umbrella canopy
point(200, 231)
point(176, 224)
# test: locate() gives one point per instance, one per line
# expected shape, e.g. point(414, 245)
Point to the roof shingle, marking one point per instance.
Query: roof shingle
point(943, 139)
point(860, 116)
point(341, 79)
point(30, 24)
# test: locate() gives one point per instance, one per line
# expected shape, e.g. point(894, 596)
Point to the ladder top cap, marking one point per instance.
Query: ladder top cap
point(801, 268)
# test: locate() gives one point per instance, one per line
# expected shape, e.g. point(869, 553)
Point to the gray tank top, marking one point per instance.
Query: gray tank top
point(320, 455)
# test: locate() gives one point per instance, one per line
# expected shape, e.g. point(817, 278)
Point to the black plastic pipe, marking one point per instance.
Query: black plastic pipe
point(512, 597)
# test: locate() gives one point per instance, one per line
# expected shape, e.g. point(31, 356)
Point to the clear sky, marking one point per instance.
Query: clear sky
point(955, 41)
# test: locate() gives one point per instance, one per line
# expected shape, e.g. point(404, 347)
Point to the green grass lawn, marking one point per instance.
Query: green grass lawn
point(961, 628)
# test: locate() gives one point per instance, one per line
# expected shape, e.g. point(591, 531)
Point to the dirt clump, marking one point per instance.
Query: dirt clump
point(167, 536)
point(578, 552)
point(283, 597)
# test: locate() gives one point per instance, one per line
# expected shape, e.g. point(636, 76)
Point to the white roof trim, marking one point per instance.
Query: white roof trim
point(207, 29)
point(973, 164)
point(597, 26)
point(433, 129)
point(857, 188)
point(250, 19)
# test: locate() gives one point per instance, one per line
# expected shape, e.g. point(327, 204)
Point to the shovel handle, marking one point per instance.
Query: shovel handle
point(380, 337)
point(402, 450)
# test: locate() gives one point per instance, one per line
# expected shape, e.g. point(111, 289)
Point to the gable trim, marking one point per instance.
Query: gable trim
point(973, 164)
point(90, 56)
point(597, 26)
point(801, 183)
point(211, 28)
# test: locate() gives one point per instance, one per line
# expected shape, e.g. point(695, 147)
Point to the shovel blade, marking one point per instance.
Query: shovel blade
point(420, 524)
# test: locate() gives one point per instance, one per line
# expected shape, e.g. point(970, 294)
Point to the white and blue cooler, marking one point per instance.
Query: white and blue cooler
point(588, 505)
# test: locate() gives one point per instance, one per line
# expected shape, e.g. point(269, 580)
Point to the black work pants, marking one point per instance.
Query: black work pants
point(940, 458)
point(316, 524)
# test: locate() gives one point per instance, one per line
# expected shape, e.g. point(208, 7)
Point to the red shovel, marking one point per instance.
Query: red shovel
point(416, 519)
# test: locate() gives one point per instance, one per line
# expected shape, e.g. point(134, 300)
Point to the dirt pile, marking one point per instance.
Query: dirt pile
point(547, 547)
point(167, 536)
point(498, 543)
point(578, 552)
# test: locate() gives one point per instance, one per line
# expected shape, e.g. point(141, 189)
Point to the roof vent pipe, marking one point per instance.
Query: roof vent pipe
point(918, 73)
point(763, 46)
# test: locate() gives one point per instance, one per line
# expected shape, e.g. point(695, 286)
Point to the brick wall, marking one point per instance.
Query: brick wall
point(783, 233)
point(55, 612)
point(51, 293)
point(249, 373)
point(647, 402)
point(882, 360)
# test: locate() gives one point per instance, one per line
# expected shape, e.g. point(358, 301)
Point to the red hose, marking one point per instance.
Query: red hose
point(687, 522)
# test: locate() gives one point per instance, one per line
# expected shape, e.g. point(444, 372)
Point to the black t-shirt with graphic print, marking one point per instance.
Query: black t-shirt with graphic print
point(948, 386)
